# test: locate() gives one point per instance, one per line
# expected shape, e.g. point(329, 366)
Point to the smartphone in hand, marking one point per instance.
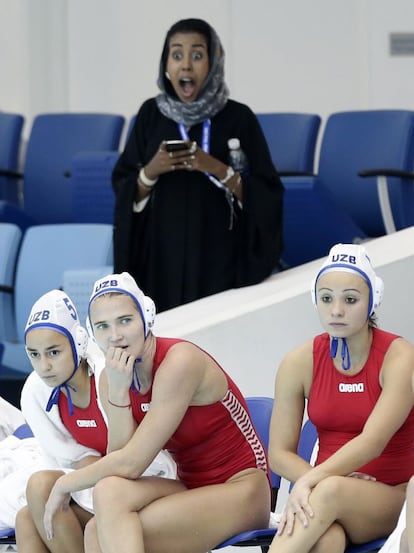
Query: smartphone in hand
point(176, 145)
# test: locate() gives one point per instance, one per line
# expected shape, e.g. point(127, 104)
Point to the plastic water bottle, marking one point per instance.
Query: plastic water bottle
point(237, 158)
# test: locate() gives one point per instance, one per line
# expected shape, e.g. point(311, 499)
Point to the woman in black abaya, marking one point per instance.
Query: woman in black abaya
point(187, 225)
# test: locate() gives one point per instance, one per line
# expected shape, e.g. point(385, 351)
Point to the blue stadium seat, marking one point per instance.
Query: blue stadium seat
point(10, 239)
point(350, 199)
point(93, 197)
point(292, 139)
point(54, 140)
point(11, 126)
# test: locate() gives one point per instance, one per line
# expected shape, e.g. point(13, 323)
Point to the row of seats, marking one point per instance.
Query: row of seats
point(46, 185)
point(65, 149)
point(363, 186)
point(292, 140)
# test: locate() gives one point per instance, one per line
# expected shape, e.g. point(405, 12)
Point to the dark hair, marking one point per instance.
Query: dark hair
point(187, 26)
point(373, 321)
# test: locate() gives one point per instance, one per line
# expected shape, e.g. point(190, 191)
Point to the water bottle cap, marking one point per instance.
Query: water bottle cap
point(233, 143)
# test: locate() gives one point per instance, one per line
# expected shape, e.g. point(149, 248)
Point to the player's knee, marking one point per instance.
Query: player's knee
point(39, 485)
point(23, 517)
point(107, 492)
point(331, 490)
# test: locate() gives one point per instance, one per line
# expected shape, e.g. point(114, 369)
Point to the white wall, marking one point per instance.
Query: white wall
point(282, 55)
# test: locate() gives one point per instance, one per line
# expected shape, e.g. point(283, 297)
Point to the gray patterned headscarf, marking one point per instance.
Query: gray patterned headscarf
point(214, 93)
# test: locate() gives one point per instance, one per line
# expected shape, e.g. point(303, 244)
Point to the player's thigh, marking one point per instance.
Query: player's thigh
point(81, 514)
point(199, 519)
point(366, 509)
point(114, 495)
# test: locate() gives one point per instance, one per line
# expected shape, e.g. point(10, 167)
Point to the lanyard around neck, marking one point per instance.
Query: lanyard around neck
point(205, 145)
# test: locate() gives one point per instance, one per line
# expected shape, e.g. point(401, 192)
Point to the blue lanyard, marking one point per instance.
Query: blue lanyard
point(205, 146)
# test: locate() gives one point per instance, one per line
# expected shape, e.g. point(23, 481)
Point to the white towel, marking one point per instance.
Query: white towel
point(18, 460)
point(163, 465)
point(10, 418)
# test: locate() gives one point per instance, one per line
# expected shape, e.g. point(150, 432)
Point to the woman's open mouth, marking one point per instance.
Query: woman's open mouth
point(187, 87)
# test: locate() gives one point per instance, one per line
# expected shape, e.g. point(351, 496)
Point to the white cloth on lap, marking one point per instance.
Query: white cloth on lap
point(163, 465)
point(10, 418)
point(18, 460)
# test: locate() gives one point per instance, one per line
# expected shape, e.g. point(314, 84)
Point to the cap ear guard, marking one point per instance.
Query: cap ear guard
point(313, 290)
point(81, 342)
point(149, 314)
point(378, 292)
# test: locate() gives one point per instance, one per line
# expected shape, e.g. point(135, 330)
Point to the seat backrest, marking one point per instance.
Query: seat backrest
point(292, 139)
point(10, 239)
point(47, 251)
point(260, 409)
point(93, 196)
point(53, 142)
point(308, 441)
point(11, 126)
point(360, 140)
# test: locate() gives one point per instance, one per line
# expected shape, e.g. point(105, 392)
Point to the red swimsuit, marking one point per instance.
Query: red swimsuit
point(87, 426)
point(339, 406)
point(213, 442)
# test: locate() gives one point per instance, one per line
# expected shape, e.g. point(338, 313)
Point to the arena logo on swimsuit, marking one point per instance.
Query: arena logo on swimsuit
point(357, 387)
point(344, 257)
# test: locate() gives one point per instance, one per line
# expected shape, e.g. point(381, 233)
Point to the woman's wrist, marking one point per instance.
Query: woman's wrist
point(234, 185)
point(146, 181)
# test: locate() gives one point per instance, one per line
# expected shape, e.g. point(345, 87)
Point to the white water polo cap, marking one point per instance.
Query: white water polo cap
point(55, 310)
point(124, 283)
point(352, 258)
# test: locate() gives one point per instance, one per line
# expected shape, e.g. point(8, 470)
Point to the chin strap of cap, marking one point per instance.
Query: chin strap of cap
point(136, 384)
point(54, 396)
point(345, 356)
